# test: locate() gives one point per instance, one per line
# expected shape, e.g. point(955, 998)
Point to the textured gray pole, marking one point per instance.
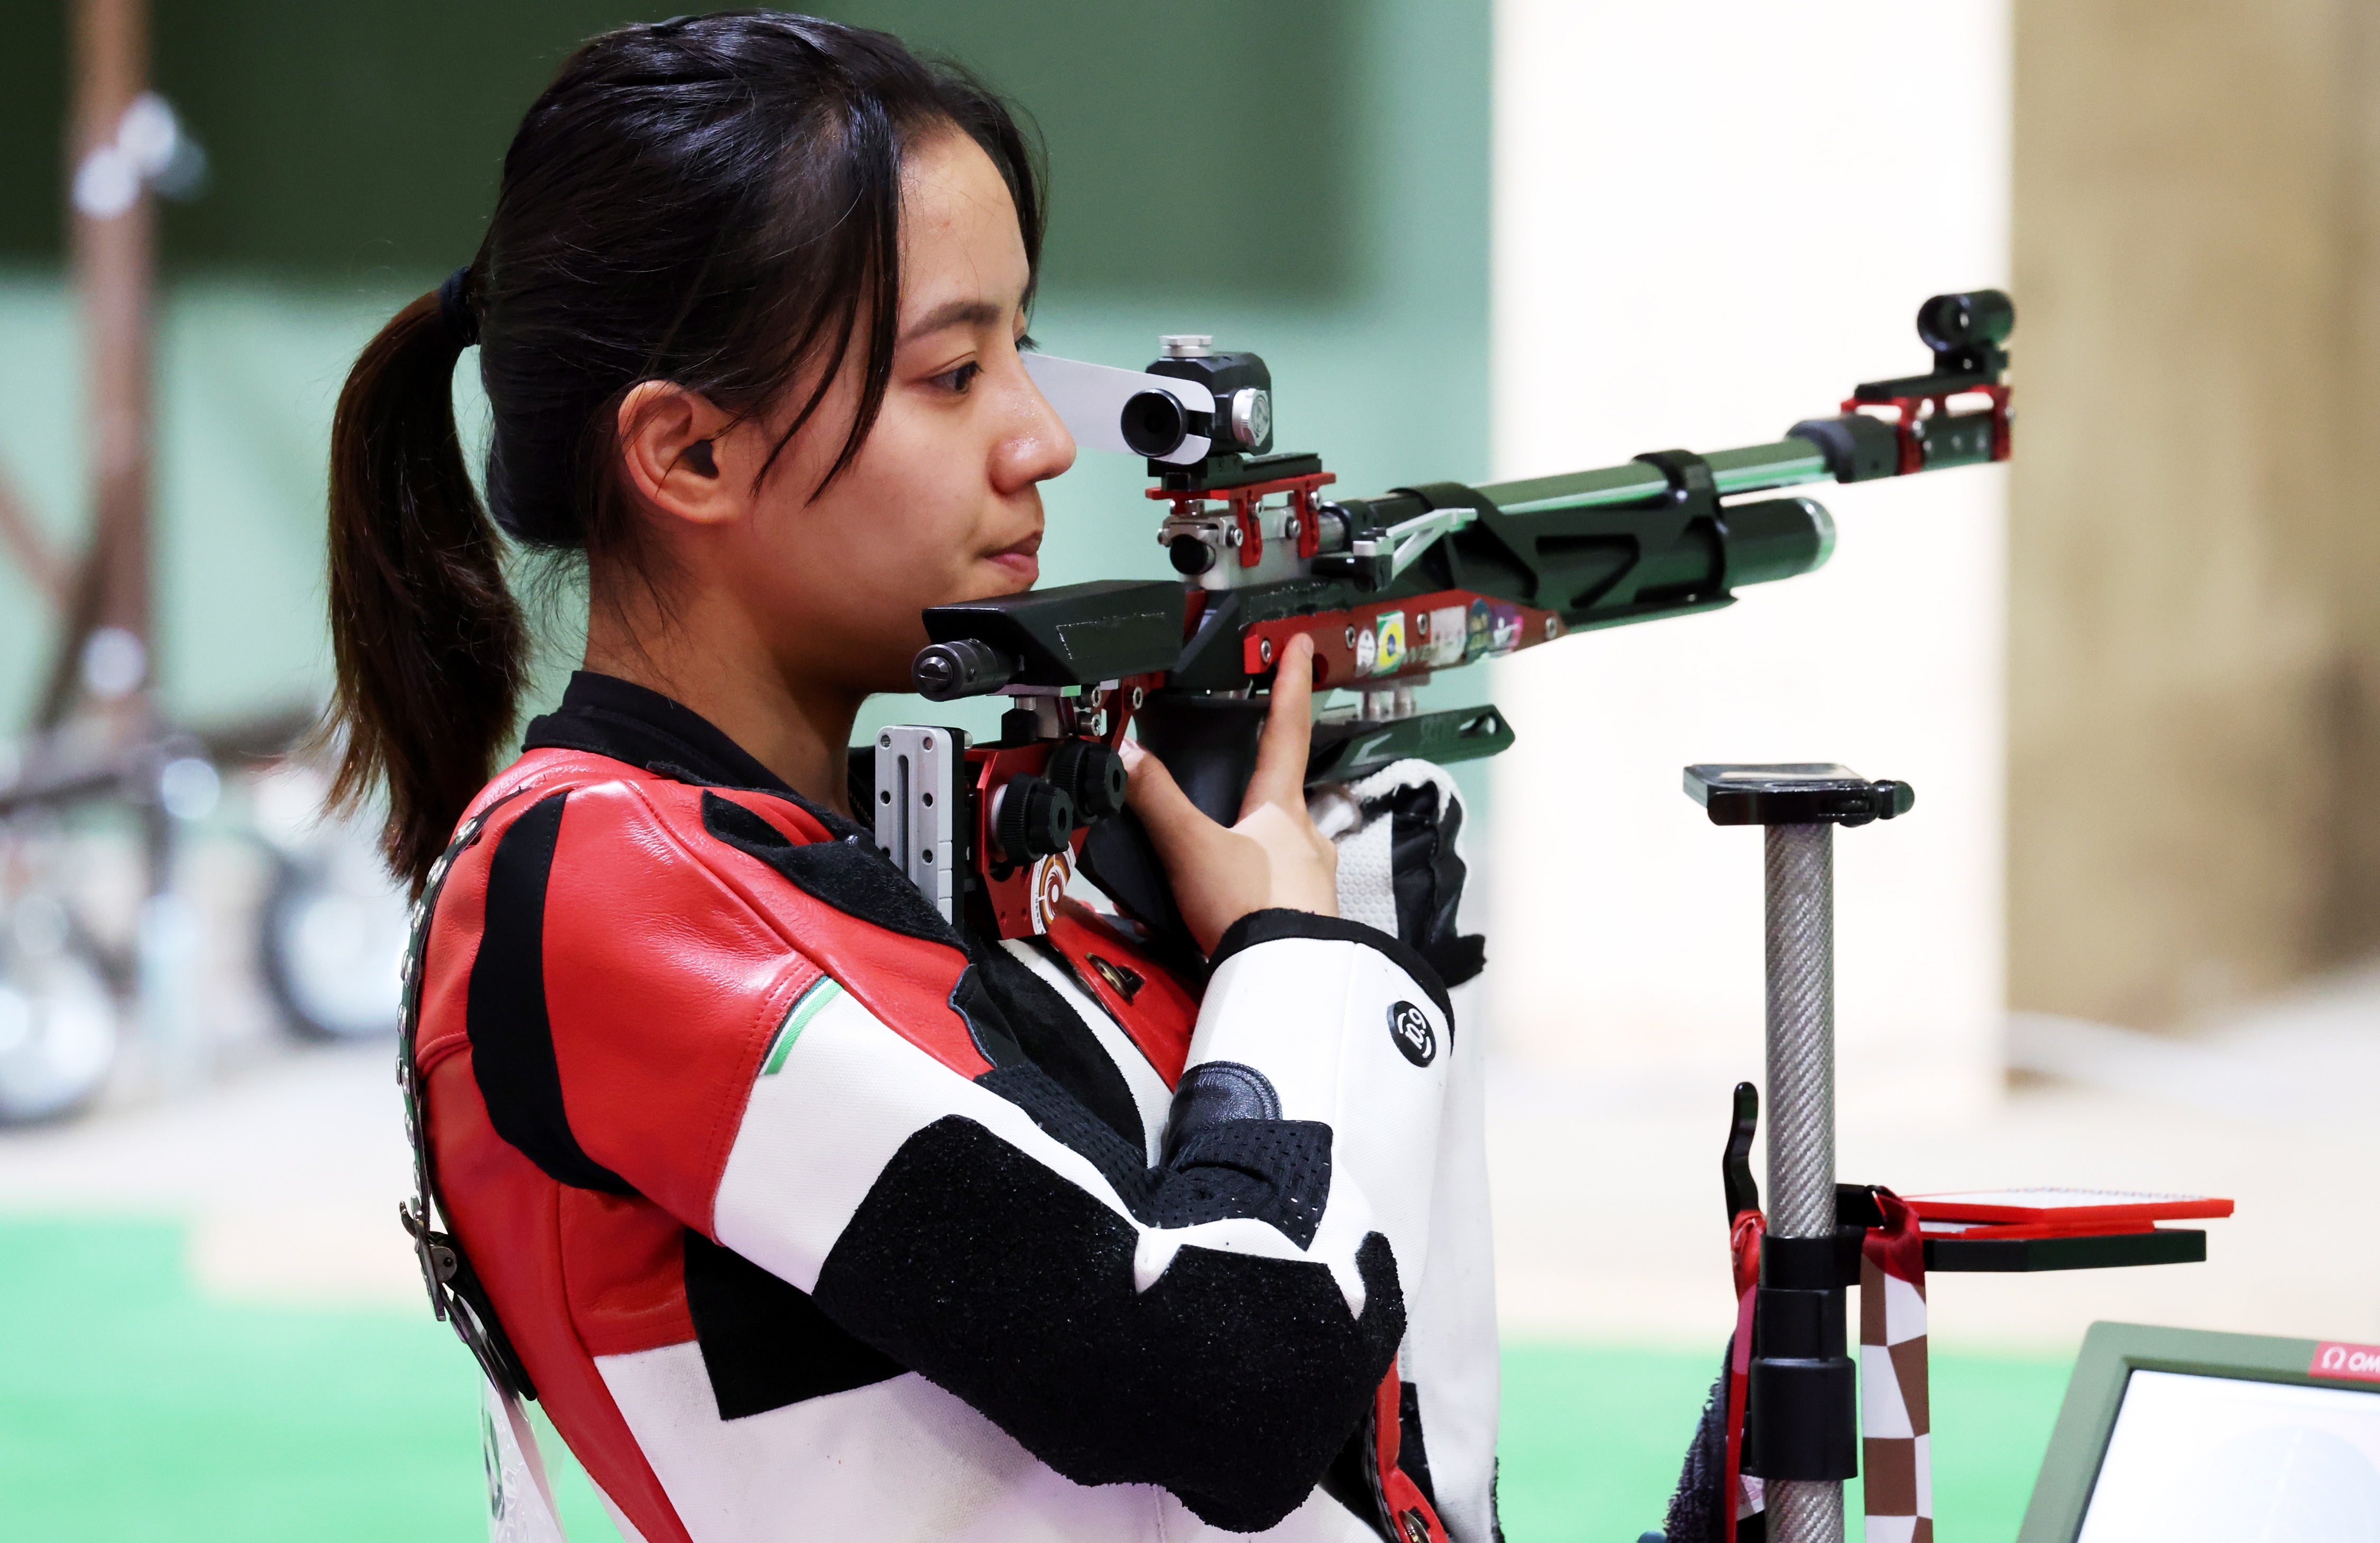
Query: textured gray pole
point(1800, 870)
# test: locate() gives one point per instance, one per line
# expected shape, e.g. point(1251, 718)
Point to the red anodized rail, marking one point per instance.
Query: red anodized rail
point(1908, 414)
point(1244, 502)
point(1382, 640)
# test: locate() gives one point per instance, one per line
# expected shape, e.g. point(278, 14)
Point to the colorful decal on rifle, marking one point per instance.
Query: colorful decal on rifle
point(1367, 647)
point(1447, 632)
point(805, 1007)
point(1505, 634)
point(1475, 638)
point(1392, 654)
point(1050, 876)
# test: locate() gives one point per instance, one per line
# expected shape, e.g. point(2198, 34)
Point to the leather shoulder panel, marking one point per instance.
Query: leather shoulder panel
point(506, 1215)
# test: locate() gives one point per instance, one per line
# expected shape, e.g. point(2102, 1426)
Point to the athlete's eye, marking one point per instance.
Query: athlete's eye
point(957, 381)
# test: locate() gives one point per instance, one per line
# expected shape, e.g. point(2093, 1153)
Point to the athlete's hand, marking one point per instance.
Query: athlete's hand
point(1274, 856)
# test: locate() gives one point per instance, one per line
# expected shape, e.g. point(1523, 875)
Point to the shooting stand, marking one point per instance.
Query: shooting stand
point(1799, 1417)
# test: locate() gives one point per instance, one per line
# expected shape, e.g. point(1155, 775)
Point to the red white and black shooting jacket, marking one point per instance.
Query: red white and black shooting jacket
point(808, 1218)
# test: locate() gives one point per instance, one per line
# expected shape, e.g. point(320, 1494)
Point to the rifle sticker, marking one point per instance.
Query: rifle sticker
point(1505, 633)
point(1449, 632)
point(1392, 643)
point(1476, 640)
point(1050, 876)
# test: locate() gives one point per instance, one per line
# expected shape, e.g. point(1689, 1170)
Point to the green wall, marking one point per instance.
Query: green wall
point(1306, 179)
point(364, 137)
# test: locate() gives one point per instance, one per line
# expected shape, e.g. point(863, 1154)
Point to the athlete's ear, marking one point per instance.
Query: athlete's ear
point(667, 447)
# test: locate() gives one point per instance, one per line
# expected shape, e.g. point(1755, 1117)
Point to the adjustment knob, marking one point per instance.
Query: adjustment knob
point(965, 668)
point(1190, 555)
point(1251, 417)
point(1092, 775)
point(1033, 819)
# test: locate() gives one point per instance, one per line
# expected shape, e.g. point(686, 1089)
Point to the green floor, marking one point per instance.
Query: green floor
point(131, 1409)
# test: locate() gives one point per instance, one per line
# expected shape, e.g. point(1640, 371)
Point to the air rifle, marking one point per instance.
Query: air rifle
point(1390, 589)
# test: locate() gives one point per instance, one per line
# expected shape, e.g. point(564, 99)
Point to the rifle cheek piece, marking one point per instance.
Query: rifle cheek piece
point(1075, 635)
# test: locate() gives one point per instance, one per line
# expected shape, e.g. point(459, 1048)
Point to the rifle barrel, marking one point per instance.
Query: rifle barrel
point(1787, 463)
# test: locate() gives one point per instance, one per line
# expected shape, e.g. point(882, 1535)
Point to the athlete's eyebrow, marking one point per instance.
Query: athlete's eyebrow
point(954, 313)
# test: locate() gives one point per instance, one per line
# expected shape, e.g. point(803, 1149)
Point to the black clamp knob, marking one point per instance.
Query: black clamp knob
point(1796, 793)
point(1090, 774)
point(1804, 1387)
point(1034, 819)
point(1694, 491)
point(1190, 557)
point(1857, 447)
point(942, 672)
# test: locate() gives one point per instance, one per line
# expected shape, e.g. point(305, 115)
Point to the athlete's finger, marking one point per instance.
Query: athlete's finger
point(1288, 732)
point(1174, 824)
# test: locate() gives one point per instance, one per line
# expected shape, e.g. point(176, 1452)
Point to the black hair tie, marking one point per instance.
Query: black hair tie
point(454, 310)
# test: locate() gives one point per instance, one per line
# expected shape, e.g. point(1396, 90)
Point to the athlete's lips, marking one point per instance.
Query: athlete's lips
point(1023, 559)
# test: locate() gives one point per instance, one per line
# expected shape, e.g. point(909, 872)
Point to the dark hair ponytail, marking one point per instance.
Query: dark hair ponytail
point(429, 643)
point(713, 201)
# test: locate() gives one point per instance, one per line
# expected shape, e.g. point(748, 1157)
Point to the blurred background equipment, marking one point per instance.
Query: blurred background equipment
point(95, 711)
point(57, 1007)
point(100, 739)
point(333, 934)
point(1563, 252)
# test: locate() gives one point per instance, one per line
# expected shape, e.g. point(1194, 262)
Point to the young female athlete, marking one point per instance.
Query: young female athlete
point(803, 1214)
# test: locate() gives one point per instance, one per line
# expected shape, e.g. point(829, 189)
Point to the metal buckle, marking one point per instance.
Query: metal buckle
point(433, 1249)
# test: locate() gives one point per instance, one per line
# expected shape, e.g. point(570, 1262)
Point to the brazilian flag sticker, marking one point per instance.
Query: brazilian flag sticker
point(1391, 653)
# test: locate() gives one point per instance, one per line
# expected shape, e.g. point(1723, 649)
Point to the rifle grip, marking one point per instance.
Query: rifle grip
point(1207, 743)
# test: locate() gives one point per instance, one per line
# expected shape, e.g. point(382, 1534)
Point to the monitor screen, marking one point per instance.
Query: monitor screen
point(2226, 1459)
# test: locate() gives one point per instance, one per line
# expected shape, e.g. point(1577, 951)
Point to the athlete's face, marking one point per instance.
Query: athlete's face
point(944, 501)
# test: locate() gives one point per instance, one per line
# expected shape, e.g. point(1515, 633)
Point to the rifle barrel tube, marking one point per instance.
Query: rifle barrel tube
point(1787, 463)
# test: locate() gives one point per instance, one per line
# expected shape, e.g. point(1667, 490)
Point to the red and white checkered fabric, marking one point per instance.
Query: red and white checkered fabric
point(1896, 1456)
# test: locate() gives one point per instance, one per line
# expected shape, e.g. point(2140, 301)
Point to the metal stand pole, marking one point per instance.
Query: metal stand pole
point(1801, 1431)
point(1801, 1030)
point(1800, 893)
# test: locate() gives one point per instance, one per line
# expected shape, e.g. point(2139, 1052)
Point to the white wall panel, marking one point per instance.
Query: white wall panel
point(1711, 220)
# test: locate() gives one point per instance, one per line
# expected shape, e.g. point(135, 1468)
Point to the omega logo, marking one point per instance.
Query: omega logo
point(2348, 1361)
point(2358, 1362)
